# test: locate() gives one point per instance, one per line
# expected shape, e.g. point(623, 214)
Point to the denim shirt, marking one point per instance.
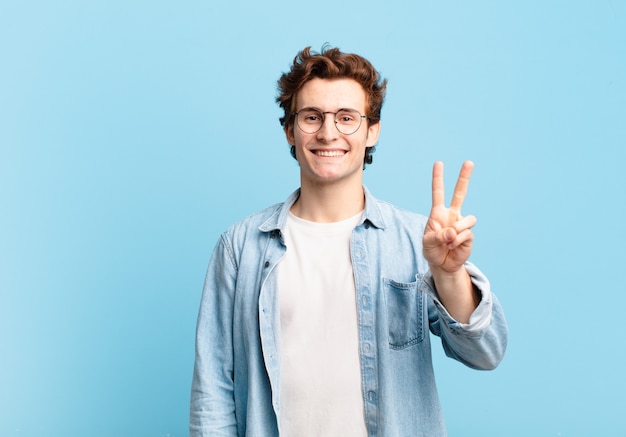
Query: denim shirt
point(236, 380)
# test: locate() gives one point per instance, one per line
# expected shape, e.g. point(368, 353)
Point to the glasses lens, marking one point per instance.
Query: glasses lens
point(310, 120)
point(348, 121)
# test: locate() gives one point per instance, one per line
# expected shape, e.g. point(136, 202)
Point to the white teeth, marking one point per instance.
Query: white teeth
point(330, 153)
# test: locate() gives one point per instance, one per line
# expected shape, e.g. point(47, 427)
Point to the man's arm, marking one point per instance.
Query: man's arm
point(471, 322)
point(480, 343)
point(212, 410)
point(448, 239)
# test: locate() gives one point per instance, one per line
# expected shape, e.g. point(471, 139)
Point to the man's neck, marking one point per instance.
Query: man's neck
point(329, 203)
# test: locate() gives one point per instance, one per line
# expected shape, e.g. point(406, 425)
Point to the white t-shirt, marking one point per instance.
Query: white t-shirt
point(320, 387)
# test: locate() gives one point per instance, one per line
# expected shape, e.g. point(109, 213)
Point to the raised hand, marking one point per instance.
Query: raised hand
point(448, 236)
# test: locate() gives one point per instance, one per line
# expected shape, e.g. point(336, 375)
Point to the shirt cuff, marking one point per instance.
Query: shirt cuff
point(481, 317)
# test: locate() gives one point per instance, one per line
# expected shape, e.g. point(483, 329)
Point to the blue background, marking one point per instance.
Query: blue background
point(133, 133)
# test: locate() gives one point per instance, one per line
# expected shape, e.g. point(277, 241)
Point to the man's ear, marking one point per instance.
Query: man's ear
point(289, 134)
point(373, 131)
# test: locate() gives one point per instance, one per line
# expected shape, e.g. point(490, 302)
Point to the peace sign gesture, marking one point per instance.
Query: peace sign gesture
point(448, 235)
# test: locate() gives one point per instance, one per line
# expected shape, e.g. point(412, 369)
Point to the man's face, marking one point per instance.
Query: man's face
point(328, 156)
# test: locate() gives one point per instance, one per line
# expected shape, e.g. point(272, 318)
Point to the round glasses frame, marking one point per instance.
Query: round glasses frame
point(348, 122)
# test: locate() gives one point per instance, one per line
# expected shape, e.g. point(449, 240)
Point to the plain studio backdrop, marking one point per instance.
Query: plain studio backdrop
point(133, 133)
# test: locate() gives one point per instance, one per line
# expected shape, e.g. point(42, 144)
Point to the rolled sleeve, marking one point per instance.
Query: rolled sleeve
point(481, 342)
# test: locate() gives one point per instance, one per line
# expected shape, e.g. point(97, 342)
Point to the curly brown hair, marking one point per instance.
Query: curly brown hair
point(331, 63)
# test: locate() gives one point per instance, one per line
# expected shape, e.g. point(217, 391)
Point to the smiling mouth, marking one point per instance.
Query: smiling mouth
point(330, 153)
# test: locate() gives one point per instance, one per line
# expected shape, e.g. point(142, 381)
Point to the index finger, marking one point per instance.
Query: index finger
point(460, 190)
point(438, 189)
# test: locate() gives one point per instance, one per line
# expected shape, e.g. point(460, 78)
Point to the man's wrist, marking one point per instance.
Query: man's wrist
point(456, 292)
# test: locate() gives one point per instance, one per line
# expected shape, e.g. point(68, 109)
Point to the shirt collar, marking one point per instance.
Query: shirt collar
point(278, 219)
point(372, 211)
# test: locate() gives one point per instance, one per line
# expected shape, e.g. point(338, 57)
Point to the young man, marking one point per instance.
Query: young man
point(315, 314)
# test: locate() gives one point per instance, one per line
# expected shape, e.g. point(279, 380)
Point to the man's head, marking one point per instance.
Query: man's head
point(330, 63)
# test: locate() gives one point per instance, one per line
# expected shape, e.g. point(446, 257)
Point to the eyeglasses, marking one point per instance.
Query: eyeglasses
point(347, 121)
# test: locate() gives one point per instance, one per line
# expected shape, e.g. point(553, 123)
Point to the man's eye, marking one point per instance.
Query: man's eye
point(345, 117)
point(311, 117)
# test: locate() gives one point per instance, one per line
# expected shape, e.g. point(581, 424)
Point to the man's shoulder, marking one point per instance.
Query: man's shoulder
point(394, 215)
point(256, 219)
point(391, 208)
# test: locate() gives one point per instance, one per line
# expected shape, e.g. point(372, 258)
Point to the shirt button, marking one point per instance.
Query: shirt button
point(267, 264)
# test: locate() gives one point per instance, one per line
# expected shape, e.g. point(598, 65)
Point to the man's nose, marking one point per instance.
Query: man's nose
point(328, 130)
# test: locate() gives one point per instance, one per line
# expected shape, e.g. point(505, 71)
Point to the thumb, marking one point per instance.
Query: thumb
point(447, 235)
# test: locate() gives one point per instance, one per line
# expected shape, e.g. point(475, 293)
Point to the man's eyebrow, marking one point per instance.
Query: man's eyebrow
point(343, 108)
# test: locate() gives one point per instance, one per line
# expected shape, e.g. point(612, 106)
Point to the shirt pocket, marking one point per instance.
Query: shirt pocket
point(405, 312)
